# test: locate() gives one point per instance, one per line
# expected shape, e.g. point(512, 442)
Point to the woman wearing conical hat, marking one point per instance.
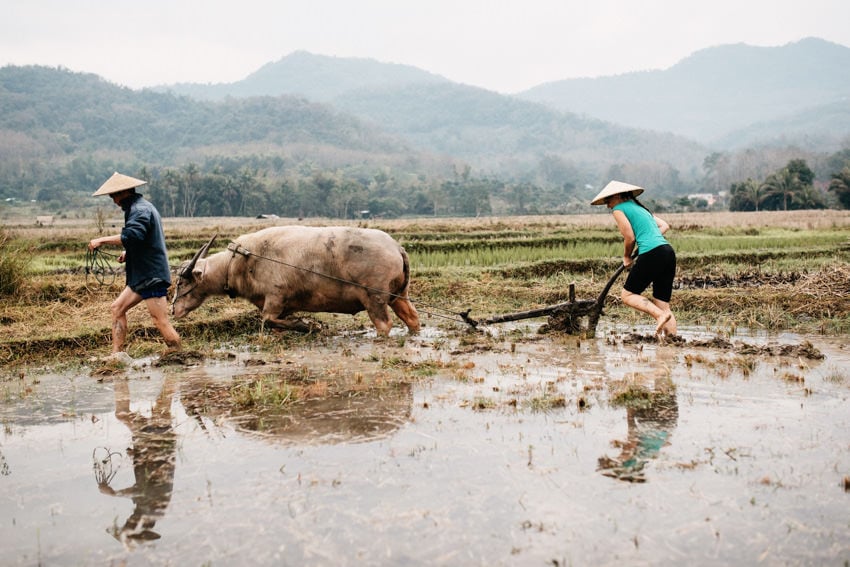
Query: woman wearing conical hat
point(656, 261)
point(148, 271)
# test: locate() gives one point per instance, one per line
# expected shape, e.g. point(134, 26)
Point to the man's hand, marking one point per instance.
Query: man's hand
point(114, 240)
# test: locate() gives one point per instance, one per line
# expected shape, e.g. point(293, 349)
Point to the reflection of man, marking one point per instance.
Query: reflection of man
point(153, 453)
point(650, 428)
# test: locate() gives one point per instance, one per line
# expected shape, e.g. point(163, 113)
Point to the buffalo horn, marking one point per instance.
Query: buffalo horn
point(202, 253)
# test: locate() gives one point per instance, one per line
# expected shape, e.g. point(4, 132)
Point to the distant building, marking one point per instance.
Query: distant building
point(709, 198)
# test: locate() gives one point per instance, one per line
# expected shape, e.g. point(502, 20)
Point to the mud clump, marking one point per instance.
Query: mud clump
point(180, 358)
point(804, 350)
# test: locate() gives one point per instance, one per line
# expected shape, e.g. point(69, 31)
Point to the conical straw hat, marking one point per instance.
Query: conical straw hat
point(613, 188)
point(118, 182)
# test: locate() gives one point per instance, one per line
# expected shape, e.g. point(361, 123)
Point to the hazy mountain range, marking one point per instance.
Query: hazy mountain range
point(724, 97)
point(331, 112)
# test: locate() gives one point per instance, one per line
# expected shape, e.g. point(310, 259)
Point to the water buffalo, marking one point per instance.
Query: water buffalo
point(286, 269)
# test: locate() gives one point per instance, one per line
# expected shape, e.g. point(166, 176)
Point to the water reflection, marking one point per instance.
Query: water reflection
point(353, 415)
point(651, 415)
point(153, 451)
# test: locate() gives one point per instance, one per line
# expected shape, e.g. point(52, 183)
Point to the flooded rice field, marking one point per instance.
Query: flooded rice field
point(514, 449)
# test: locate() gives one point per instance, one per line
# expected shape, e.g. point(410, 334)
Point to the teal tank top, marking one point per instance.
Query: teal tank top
point(647, 233)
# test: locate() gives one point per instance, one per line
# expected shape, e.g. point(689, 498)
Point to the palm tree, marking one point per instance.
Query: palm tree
point(746, 196)
point(783, 184)
point(810, 198)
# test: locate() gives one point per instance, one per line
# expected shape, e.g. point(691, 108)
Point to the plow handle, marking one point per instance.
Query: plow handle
point(601, 299)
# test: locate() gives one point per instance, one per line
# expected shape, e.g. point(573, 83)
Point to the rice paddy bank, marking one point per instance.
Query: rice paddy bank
point(771, 271)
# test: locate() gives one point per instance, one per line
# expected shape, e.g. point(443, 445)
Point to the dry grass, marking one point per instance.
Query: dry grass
point(84, 229)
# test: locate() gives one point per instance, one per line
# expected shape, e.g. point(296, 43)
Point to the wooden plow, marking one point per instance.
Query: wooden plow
point(573, 317)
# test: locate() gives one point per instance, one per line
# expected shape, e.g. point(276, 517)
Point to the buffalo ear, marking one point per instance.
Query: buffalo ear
point(198, 270)
point(202, 253)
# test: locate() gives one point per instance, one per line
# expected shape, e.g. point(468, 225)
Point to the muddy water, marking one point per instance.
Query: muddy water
point(518, 451)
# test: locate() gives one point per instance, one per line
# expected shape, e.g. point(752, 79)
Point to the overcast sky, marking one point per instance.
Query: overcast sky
point(505, 46)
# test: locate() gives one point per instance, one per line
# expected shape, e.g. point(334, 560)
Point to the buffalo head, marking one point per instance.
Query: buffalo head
point(189, 275)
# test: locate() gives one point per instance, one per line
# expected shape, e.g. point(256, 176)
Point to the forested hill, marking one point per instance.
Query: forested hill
point(47, 113)
point(720, 90)
point(57, 114)
point(407, 141)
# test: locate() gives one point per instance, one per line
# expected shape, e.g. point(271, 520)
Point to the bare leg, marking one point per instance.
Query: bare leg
point(125, 301)
point(670, 327)
point(158, 308)
point(641, 303)
point(122, 401)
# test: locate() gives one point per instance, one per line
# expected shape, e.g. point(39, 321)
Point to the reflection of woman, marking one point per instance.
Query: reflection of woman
point(650, 428)
point(656, 261)
point(153, 452)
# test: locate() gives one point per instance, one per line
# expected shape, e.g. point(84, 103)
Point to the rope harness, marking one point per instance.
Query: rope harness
point(102, 464)
point(98, 267)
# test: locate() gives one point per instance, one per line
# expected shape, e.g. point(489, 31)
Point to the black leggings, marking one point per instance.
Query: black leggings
point(656, 267)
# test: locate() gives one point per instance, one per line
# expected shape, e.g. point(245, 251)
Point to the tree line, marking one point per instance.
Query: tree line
point(260, 186)
point(214, 190)
point(790, 188)
point(217, 191)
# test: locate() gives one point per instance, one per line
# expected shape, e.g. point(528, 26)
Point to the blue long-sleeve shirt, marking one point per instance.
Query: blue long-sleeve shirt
point(144, 241)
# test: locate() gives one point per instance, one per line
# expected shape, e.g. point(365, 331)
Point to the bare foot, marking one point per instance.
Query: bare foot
point(662, 321)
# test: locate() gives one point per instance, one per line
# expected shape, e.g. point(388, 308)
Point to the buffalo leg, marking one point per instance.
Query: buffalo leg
point(292, 324)
point(275, 316)
point(407, 313)
point(376, 307)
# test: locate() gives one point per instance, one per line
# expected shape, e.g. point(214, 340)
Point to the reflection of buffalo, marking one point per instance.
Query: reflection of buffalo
point(651, 423)
point(350, 416)
point(153, 454)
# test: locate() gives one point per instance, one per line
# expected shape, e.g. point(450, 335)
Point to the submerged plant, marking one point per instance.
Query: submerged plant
point(263, 391)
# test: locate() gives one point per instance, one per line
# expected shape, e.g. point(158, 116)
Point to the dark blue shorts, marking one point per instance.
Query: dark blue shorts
point(161, 291)
point(656, 267)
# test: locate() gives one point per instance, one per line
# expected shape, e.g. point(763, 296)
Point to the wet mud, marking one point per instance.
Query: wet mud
point(502, 447)
point(804, 349)
point(745, 279)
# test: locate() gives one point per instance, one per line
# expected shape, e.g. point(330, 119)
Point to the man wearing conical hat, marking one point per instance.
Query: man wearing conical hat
point(147, 268)
point(656, 261)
